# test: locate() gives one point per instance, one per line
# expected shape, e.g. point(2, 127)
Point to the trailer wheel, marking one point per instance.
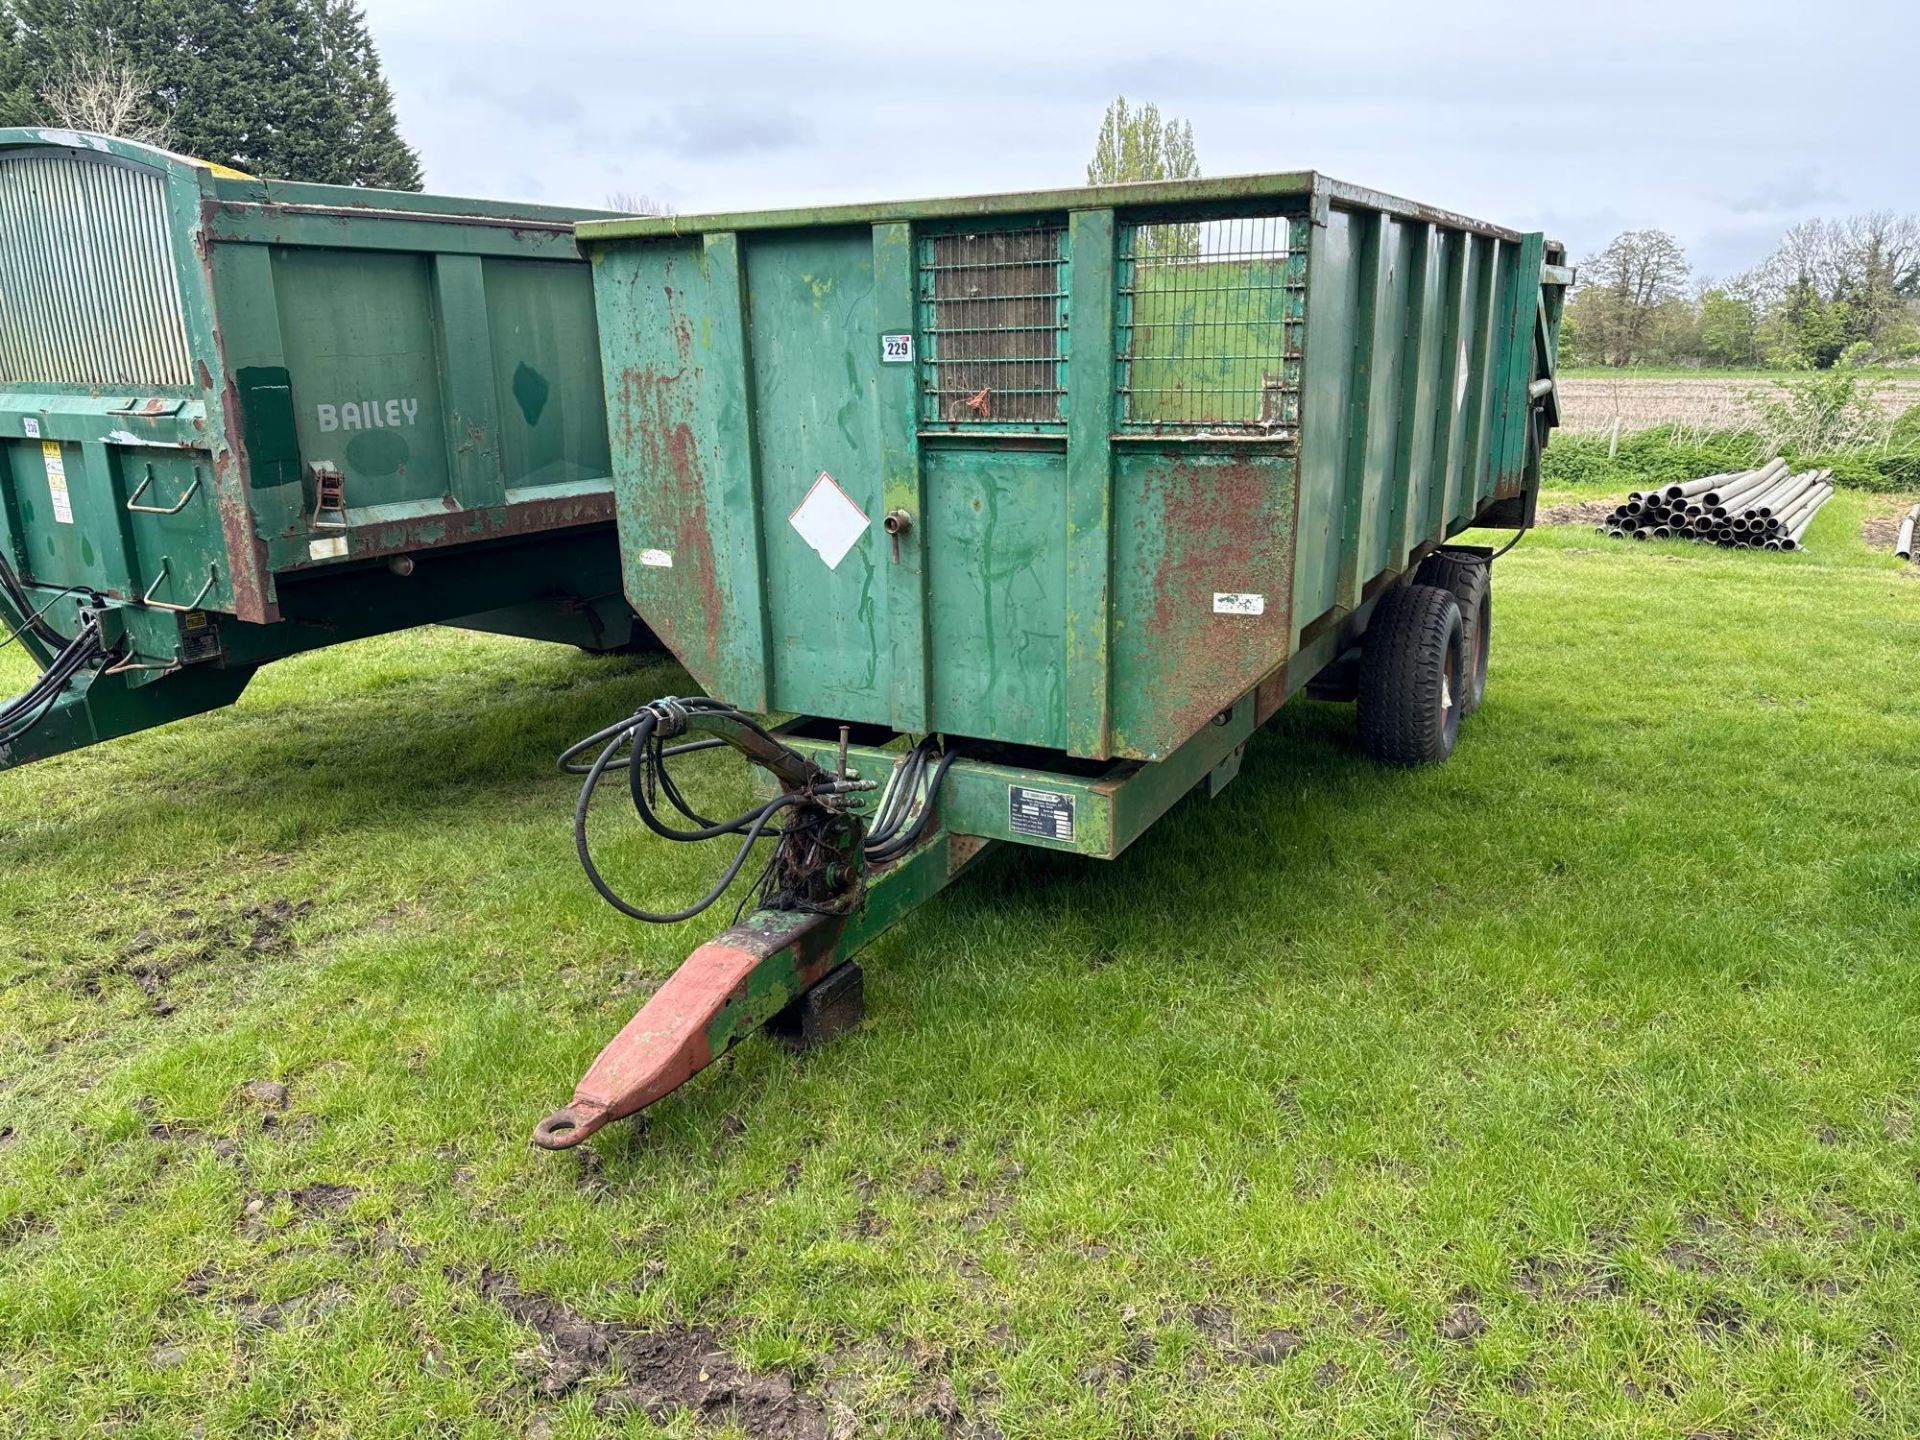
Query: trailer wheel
point(1412, 673)
point(1471, 583)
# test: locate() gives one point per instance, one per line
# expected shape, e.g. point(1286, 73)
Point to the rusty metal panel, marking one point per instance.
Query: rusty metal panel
point(1202, 577)
point(353, 376)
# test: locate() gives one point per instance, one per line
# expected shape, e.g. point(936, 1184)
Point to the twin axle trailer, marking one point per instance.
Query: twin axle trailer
point(1003, 520)
point(243, 418)
point(1008, 520)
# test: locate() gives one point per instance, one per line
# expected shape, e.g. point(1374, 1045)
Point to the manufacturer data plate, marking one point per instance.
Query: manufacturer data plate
point(1046, 814)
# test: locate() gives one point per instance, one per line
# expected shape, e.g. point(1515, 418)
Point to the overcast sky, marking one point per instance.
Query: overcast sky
point(1723, 121)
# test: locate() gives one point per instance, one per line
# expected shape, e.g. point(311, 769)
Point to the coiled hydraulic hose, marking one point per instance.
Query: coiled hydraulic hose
point(900, 818)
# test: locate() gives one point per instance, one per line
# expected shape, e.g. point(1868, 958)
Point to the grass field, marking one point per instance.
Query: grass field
point(1568, 1089)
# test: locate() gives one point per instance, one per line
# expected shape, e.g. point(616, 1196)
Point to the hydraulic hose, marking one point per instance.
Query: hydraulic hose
point(26, 710)
point(31, 624)
point(900, 818)
point(22, 604)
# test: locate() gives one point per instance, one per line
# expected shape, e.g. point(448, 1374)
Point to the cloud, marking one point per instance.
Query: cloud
point(536, 104)
point(1644, 113)
point(1789, 194)
point(717, 131)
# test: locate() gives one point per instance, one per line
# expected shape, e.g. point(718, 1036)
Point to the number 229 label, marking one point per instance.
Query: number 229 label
point(896, 349)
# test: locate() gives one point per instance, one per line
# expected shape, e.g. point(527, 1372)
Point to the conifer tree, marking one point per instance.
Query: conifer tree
point(289, 89)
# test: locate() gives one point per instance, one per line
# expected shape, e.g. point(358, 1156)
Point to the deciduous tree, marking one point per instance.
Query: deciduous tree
point(1839, 285)
point(107, 95)
point(633, 202)
point(1730, 324)
point(1137, 144)
point(1623, 291)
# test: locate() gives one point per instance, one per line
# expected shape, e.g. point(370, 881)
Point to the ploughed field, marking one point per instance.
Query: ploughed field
point(1570, 1088)
point(1591, 404)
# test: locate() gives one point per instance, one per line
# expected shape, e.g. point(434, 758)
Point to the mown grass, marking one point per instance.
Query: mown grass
point(1567, 1089)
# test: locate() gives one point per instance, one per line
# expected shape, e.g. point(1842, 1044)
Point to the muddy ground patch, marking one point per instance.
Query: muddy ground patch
point(662, 1371)
point(1578, 512)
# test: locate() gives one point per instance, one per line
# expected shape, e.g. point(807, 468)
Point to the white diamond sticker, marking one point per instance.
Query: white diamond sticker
point(829, 521)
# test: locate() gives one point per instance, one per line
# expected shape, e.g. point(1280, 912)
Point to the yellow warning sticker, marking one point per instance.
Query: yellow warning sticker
point(57, 481)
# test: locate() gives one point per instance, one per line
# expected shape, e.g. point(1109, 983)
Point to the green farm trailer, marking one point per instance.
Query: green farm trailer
point(243, 418)
point(1008, 520)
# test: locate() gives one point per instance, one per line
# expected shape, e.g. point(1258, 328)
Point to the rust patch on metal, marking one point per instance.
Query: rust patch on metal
point(1270, 695)
point(666, 454)
point(434, 531)
point(246, 547)
point(1219, 537)
point(694, 538)
point(961, 849)
point(671, 1039)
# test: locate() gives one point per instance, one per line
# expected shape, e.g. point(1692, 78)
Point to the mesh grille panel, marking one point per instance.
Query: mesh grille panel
point(1207, 333)
point(88, 294)
point(993, 318)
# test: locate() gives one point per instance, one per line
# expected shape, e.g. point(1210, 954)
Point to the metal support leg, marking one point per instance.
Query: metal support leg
point(1222, 775)
point(825, 1013)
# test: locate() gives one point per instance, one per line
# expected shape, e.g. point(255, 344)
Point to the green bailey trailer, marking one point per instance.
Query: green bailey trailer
point(1010, 519)
point(243, 418)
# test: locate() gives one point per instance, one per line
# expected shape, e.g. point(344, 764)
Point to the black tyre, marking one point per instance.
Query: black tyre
point(1470, 581)
point(1412, 669)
